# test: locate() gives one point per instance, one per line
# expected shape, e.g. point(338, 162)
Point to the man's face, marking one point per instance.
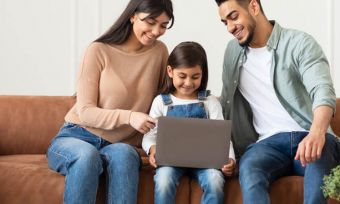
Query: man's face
point(240, 23)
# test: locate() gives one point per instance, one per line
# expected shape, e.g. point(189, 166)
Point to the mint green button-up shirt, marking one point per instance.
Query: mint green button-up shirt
point(300, 75)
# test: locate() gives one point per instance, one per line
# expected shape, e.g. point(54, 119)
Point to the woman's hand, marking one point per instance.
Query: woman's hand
point(152, 153)
point(142, 122)
point(228, 169)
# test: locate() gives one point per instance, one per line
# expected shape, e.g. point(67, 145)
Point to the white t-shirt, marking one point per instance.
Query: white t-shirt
point(212, 107)
point(269, 116)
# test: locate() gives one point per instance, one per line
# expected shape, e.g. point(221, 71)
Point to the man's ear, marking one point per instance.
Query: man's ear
point(254, 7)
point(169, 71)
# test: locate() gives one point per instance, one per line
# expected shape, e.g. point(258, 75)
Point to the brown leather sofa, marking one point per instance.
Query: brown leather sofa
point(27, 125)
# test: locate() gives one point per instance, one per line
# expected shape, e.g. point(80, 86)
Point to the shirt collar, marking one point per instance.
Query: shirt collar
point(274, 38)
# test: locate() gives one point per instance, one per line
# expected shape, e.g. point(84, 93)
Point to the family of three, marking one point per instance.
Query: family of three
point(277, 90)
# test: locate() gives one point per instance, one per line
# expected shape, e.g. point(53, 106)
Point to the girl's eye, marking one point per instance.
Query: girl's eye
point(150, 22)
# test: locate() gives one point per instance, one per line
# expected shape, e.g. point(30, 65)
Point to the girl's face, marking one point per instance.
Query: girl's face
point(147, 29)
point(186, 80)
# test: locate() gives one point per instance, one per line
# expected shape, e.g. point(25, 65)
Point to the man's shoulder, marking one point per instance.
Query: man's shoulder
point(295, 35)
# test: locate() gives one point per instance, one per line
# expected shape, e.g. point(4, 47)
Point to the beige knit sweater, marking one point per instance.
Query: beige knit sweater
point(111, 84)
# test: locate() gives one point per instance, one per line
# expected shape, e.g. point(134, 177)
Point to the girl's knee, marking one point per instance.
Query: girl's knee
point(212, 179)
point(165, 177)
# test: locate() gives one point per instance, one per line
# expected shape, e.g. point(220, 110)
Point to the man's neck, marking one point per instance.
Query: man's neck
point(262, 33)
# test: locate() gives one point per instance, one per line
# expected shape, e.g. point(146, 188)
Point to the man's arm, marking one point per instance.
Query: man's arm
point(310, 148)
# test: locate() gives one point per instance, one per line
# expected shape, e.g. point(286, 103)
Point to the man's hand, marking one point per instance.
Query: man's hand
point(152, 153)
point(142, 122)
point(310, 148)
point(228, 169)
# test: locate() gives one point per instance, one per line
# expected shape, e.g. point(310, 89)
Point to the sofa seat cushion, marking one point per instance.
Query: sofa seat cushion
point(27, 179)
point(288, 189)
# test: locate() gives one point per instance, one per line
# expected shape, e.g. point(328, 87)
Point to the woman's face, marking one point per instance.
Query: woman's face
point(147, 29)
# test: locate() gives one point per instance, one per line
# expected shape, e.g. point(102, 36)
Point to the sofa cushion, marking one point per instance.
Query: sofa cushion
point(28, 123)
point(27, 179)
point(285, 190)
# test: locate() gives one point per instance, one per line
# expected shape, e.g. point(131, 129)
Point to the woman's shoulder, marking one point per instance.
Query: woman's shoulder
point(159, 45)
point(95, 47)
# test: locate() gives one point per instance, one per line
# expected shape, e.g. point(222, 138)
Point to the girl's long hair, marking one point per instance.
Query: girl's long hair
point(187, 54)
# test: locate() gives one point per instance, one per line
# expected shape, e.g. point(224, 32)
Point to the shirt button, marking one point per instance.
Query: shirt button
point(235, 82)
point(228, 102)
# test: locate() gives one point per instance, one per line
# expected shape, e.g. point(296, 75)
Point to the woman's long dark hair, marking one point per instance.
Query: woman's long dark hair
point(121, 29)
point(187, 54)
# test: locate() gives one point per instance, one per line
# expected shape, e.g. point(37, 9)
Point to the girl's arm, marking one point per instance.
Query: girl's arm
point(157, 110)
point(215, 112)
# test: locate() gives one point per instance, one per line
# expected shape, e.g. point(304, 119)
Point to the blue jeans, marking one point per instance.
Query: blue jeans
point(272, 158)
point(167, 179)
point(81, 156)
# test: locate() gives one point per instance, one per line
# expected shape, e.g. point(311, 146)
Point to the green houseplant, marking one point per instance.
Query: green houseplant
point(331, 187)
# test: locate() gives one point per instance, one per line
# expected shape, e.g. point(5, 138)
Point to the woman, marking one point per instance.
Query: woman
point(120, 74)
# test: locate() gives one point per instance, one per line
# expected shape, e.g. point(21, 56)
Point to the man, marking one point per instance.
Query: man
point(278, 92)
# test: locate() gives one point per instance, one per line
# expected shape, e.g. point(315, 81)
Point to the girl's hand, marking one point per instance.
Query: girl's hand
point(142, 122)
point(228, 169)
point(152, 154)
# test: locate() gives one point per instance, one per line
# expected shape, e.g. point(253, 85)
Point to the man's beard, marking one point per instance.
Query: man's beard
point(248, 40)
point(250, 37)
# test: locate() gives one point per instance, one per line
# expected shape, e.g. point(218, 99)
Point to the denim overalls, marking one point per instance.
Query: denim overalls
point(167, 177)
point(192, 110)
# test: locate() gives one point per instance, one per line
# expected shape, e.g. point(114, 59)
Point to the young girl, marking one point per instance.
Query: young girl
point(121, 73)
point(186, 96)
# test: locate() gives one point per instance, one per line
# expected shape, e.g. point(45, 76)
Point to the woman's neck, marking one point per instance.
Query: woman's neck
point(132, 45)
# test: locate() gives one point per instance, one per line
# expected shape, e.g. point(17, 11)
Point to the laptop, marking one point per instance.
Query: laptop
point(192, 142)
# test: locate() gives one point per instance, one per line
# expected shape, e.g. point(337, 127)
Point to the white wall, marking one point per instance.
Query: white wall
point(42, 41)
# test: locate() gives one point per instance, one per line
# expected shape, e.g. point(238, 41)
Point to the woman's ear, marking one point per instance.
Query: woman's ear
point(133, 18)
point(169, 71)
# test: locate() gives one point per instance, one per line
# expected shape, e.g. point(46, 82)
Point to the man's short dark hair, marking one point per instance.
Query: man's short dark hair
point(243, 3)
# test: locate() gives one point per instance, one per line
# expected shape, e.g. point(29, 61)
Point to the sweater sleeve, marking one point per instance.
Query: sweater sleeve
point(89, 74)
point(156, 111)
point(215, 112)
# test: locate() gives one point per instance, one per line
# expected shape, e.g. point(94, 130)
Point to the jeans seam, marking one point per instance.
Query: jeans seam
point(291, 144)
point(63, 156)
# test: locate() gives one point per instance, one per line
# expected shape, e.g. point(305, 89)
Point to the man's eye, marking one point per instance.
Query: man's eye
point(233, 17)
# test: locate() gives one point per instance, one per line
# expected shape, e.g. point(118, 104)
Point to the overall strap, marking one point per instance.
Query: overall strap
point(166, 99)
point(202, 95)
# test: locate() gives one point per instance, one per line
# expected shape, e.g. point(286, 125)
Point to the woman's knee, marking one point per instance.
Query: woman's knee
point(66, 153)
point(121, 155)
